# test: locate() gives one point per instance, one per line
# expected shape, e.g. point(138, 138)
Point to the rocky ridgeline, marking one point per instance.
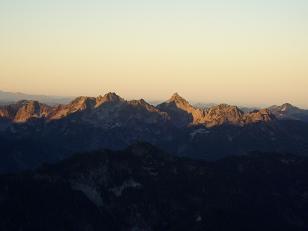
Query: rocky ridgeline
point(177, 107)
point(111, 106)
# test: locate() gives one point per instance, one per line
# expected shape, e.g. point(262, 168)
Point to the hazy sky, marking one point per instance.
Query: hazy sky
point(233, 51)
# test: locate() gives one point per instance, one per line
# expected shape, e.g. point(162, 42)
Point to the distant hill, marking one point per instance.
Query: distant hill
point(12, 97)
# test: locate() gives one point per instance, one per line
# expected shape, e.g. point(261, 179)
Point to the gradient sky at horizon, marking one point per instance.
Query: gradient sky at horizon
point(252, 52)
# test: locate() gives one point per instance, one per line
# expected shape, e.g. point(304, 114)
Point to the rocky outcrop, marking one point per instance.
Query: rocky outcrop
point(110, 98)
point(24, 111)
point(263, 115)
point(223, 114)
point(83, 103)
point(79, 104)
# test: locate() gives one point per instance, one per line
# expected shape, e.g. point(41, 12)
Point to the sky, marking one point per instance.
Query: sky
point(252, 52)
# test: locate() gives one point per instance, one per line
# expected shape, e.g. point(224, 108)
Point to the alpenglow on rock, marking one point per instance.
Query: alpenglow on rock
point(111, 108)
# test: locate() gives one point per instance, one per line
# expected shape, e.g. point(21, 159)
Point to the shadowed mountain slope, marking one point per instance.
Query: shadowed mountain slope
point(289, 112)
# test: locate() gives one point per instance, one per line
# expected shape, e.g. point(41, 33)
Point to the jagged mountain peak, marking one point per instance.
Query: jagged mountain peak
point(265, 111)
point(177, 99)
point(81, 103)
point(288, 111)
point(110, 97)
point(225, 110)
point(82, 100)
point(28, 103)
point(182, 113)
point(288, 107)
point(175, 95)
point(223, 113)
point(264, 115)
point(139, 102)
point(284, 107)
point(29, 109)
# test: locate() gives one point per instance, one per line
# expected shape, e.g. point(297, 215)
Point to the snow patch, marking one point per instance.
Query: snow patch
point(198, 132)
point(126, 184)
point(91, 193)
point(199, 219)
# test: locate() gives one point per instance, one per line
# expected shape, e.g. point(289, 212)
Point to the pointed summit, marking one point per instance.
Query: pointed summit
point(288, 107)
point(288, 111)
point(176, 95)
point(110, 97)
point(83, 101)
point(284, 107)
point(181, 111)
point(177, 98)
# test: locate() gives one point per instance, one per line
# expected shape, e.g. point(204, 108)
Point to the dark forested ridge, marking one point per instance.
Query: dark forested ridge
point(142, 188)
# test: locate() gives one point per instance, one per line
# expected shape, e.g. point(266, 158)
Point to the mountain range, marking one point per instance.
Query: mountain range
point(32, 133)
point(176, 109)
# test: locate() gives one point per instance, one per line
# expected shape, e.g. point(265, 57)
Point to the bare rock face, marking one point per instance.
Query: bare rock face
point(31, 110)
point(9, 111)
point(222, 114)
point(109, 111)
point(226, 114)
point(263, 115)
point(5, 112)
point(84, 103)
point(110, 97)
point(24, 110)
point(79, 104)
